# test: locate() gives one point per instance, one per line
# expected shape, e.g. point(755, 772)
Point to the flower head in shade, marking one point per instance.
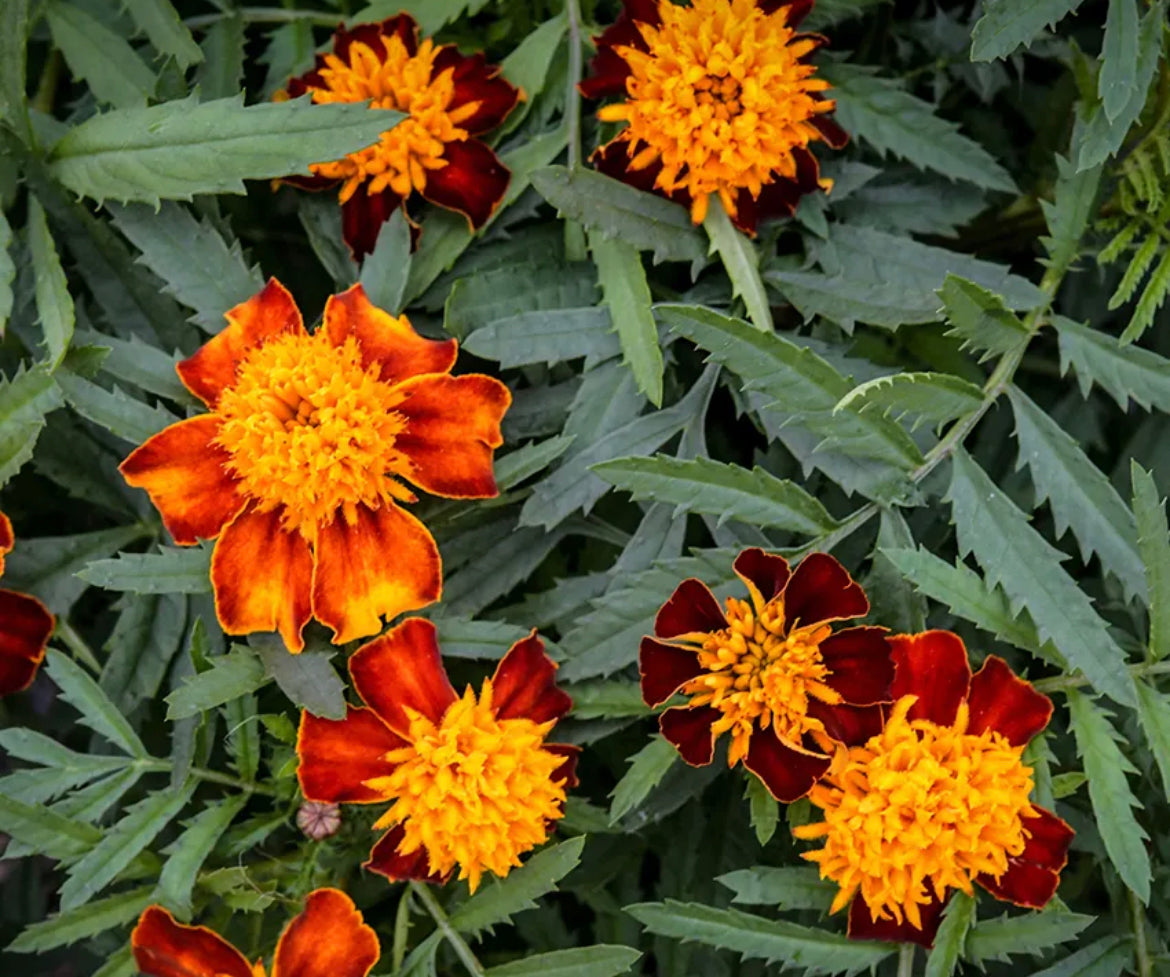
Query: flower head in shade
point(25, 627)
point(328, 939)
point(719, 98)
point(449, 98)
point(470, 779)
point(939, 798)
point(770, 671)
point(300, 467)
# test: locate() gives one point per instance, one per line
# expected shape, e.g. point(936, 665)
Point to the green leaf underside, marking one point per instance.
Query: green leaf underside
point(932, 397)
point(740, 261)
point(980, 319)
point(627, 296)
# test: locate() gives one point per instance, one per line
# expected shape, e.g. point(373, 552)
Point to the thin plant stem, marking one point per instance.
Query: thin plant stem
point(1141, 949)
point(65, 633)
point(458, 944)
point(265, 15)
point(210, 776)
point(572, 96)
point(906, 960)
point(1062, 683)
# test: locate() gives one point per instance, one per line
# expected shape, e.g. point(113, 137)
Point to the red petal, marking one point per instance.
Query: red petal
point(834, 135)
point(567, 771)
point(328, 939)
point(25, 626)
point(268, 314)
point(356, 582)
point(691, 609)
point(664, 670)
point(473, 182)
point(362, 217)
point(476, 81)
point(768, 572)
point(453, 425)
point(780, 197)
point(797, 9)
point(187, 478)
point(1033, 875)
point(6, 539)
point(863, 927)
point(933, 666)
point(608, 70)
point(524, 687)
point(262, 575)
point(337, 757)
point(164, 948)
point(690, 731)
point(385, 860)
point(822, 590)
point(613, 160)
point(313, 184)
point(859, 659)
point(403, 670)
point(788, 774)
point(372, 36)
point(1001, 700)
point(851, 725)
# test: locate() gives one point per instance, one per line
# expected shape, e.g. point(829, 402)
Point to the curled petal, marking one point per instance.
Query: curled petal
point(477, 81)
point(859, 664)
point(25, 627)
point(848, 724)
point(186, 476)
point(338, 757)
point(766, 573)
point(690, 732)
point(362, 217)
point(1033, 875)
point(691, 609)
point(523, 686)
point(164, 948)
point(862, 926)
point(269, 313)
point(933, 666)
point(1001, 700)
point(386, 860)
point(473, 182)
point(665, 669)
point(328, 939)
point(822, 590)
point(608, 70)
point(567, 771)
point(787, 773)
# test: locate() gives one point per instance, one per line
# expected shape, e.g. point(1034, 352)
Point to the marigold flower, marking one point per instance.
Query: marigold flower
point(719, 99)
point(327, 939)
point(450, 99)
point(472, 780)
point(25, 627)
point(298, 469)
point(770, 671)
point(939, 798)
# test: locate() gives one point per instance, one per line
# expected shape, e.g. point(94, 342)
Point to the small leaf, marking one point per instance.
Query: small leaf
point(999, 939)
point(516, 466)
point(7, 271)
point(113, 69)
point(386, 269)
point(740, 261)
point(120, 414)
point(550, 336)
point(1154, 713)
point(647, 767)
point(584, 961)
point(1152, 297)
point(627, 296)
point(85, 921)
point(1125, 372)
point(28, 744)
point(790, 887)
point(465, 638)
point(1070, 212)
point(54, 303)
point(221, 75)
point(527, 65)
point(951, 938)
point(24, 402)
point(44, 832)
point(174, 570)
point(190, 850)
point(934, 397)
point(1118, 78)
point(599, 700)
point(1153, 542)
point(97, 711)
point(1006, 24)
point(308, 679)
point(1107, 957)
point(763, 809)
point(980, 319)
point(230, 676)
point(158, 20)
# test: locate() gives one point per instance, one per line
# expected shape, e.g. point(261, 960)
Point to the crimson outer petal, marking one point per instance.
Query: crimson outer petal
point(767, 573)
point(337, 757)
point(608, 71)
point(523, 686)
point(822, 590)
point(362, 217)
point(164, 948)
point(477, 81)
point(665, 669)
point(690, 731)
point(328, 939)
point(933, 666)
point(25, 627)
point(860, 665)
point(1033, 875)
point(7, 539)
point(787, 773)
point(1002, 701)
point(863, 927)
point(473, 182)
point(691, 609)
point(385, 860)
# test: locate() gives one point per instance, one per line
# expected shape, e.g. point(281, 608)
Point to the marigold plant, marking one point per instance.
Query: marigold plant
point(25, 626)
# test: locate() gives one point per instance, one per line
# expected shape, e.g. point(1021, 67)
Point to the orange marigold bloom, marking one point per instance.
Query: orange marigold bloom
point(25, 627)
point(298, 469)
point(720, 99)
point(472, 780)
point(939, 798)
point(328, 939)
point(769, 671)
point(450, 99)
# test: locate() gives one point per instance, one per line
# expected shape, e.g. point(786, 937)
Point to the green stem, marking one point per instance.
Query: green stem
point(458, 944)
point(1062, 683)
point(1141, 949)
point(906, 960)
point(210, 776)
point(572, 96)
point(77, 645)
point(264, 15)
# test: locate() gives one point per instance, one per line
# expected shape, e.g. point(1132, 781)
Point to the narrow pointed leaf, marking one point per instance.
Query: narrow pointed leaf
point(97, 711)
point(54, 303)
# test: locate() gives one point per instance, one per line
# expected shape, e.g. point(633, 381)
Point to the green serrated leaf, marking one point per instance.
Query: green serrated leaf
point(54, 303)
point(174, 570)
point(230, 676)
point(465, 638)
point(999, 939)
point(1152, 297)
point(139, 363)
point(584, 961)
point(1118, 78)
point(1154, 713)
point(950, 940)
point(500, 293)
point(147, 635)
point(97, 711)
point(308, 679)
point(190, 850)
point(1006, 24)
point(85, 921)
point(790, 887)
point(44, 832)
point(13, 40)
point(980, 319)
point(1153, 542)
point(115, 73)
point(7, 272)
point(627, 296)
point(221, 75)
point(28, 744)
point(516, 466)
point(647, 767)
point(1069, 213)
point(1125, 372)
point(158, 20)
point(599, 700)
point(118, 412)
point(934, 397)
point(741, 262)
point(527, 65)
point(550, 336)
point(244, 736)
point(386, 268)
point(24, 402)
point(763, 809)
point(829, 12)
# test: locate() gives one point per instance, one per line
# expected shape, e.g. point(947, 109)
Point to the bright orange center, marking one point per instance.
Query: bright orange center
point(919, 803)
point(721, 98)
point(474, 791)
point(402, 157)
point(311, 431)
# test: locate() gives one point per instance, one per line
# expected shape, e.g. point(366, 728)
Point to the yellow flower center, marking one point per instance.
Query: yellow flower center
point(754, 673)
point(403, 155)
point(721, 98)
point(919, 803)
point(310, 429)
point(474, 791)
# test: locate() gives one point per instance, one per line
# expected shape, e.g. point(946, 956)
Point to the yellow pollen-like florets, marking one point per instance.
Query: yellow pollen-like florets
point(721, 98)
point(402, 157)
point(756, 674)
point(312, 430)
point(919, 803)
point(473, 791)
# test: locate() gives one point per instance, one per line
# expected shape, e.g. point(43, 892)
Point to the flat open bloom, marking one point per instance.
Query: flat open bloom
point(719, 99)
point(450, 99)
point(299, 468)
point(471, 779)
point(769, 671)
point(328, 939)
point(939, 798)
point(25, 627)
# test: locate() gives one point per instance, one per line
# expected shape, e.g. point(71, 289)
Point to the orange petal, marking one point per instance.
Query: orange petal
point(453, 425)
point(269, 313)
point(262, 576)
point(164, 948)
point(523, 686)
point(383, 564)
point(473, 182)
point(337, 757)
point(187, 479)
point(25, 626)
point(328, 939)
point(6, 539)
point(402, 671)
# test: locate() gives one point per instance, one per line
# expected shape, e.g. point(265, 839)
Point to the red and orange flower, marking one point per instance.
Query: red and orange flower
point(450, 99)
point(25, 627)
point(939, 798)
point(298, 469)
point(328, 939)
point(770, 671)
point(719, 99)
point(472, 780)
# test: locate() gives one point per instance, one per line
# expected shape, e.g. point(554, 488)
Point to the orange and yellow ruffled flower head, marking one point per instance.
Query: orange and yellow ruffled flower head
point(471, 780)
point(25, 627)
point(299, 469)
point(449, 98)
point(719, 98)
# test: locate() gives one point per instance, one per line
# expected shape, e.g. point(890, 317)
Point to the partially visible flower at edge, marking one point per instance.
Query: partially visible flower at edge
point(297, 467)
point(939, 798)
point(472, 781)
point(327, 939)
point(719, 98)
point(450, 99)
point(770, 671)
point(25, 627)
